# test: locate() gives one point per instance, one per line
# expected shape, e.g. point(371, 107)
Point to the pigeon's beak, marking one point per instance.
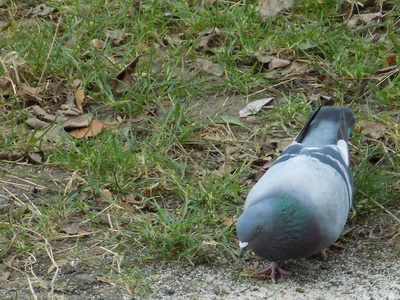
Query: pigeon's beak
point(243, 247)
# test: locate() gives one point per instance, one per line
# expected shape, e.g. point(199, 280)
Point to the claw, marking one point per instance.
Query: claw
point(323, 252)
point(273, 268)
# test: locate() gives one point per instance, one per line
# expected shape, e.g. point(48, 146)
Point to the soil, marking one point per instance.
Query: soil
point(356, 272)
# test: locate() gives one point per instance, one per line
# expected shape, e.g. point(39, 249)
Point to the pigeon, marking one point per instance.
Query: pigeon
point(300, 205)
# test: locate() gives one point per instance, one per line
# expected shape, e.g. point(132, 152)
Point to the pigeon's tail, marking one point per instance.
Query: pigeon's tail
point(326, 126)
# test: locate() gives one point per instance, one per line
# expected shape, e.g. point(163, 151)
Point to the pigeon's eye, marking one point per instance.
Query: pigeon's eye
point(256, 231)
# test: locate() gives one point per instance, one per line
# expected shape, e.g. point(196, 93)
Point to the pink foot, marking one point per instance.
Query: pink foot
point(273, 268)
point(323, 252)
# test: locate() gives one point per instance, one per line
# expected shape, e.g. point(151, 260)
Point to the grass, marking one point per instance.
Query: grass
point(186, 175)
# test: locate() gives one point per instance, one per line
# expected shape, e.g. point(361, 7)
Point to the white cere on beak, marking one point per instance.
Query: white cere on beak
point(243, 244)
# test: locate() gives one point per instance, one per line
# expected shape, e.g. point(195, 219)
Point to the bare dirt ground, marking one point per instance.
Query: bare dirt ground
point(367, 272)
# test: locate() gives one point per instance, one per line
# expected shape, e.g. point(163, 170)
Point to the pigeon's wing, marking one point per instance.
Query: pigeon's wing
point(323, 138)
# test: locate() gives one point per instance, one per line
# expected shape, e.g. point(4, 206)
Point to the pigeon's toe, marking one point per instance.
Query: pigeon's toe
point(273, 269)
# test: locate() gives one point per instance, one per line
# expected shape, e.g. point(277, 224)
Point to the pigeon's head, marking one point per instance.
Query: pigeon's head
point(254, 227)
point(278, 228)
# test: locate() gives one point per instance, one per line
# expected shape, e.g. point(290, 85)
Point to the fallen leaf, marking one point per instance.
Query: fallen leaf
point(228, 221)
point(58, 263)
point(124, 76)
point(375, 130)
point(390, 60)
point(271, 61)
point(326, 100)
point(98, 43)
point(52, 132)
point(93, 130)
point(277, 63)
point(40, 10)
point(4, 275)
point(71, 229)
point(297, 68)
point(36, 123)
point(36, 156)
point(363, 18)
point(277, 144)
point(105, 193)
point(131, 199)
point(11, 24)
point(150, 191)
point(7, 85)
point(79, 97)
point(33, 91)
point(173, 39)
point(264, 59)
point(202, 45)
point(270, 8)
point(254, 107)
point(210, 67)
point(82, 121)
point(116, 36)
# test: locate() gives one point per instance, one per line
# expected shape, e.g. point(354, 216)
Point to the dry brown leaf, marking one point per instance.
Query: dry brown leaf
point(116, 36)
point(33, 91)
point(229, 221)
point(41, 10)
point(173, 39)
point(7, 85)
point(297, 67)
point(134, 202)
point(210, 67)
point(105, 193)
point(270, 8)
point(71, 229)
point(264, 59)
point(151, 191)
point(277, 63)
point(390, 60)
point(131, 199)
point(36, 156)
point(271, 61)
point(202, 45)
point(42, 114)
point(77, 122)
point(55, 133)
point(375, 130)
point(59, 263)
point(79, 97)
point(36, 123)
point(85, 132)
point(254, 107)
point(82, 121)
point(97, 43)
point(11, 24)
point(4, 276)
point(125, 76)
point(363, 18)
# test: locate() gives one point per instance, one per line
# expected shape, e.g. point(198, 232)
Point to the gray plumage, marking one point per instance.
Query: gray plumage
point(300, 205)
